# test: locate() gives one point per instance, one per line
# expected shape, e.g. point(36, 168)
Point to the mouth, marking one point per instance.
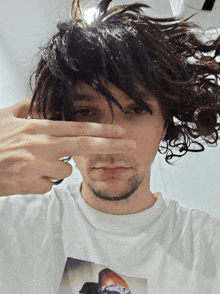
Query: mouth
point(118, 165)
point(112, 170)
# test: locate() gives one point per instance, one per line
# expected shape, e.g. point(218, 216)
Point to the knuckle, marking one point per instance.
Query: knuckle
point(81, 128)
point(46, 187)
point(32, 127)
point(18, 165)
point(84, 143)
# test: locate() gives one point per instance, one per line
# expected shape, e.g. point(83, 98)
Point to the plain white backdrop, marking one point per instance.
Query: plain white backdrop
point(25, 25)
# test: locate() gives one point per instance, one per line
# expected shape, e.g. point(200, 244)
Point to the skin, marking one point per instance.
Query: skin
point(30, 149)
point(112, 278)
point(127, 191)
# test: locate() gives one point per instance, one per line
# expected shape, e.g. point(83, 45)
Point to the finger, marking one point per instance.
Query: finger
point(41, 186)
point(72, 129)
point(56, 170)
point(91, 145)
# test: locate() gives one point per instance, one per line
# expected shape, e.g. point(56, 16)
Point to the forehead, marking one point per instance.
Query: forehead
point(83, 92)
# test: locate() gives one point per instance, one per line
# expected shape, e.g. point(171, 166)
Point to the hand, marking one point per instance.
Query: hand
point(30, 149)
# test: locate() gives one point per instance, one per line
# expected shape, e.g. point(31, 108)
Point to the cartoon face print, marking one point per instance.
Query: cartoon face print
point(109, 283)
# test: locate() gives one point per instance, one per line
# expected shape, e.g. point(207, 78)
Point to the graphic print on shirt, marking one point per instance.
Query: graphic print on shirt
point(89, 278)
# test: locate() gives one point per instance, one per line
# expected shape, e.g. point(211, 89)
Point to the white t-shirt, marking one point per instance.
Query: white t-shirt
point(164, 249)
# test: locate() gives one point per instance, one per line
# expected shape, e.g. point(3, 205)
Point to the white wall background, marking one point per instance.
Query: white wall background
point(25, 25)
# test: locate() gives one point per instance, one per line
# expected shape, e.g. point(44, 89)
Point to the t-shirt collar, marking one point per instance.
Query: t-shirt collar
point(106, 221)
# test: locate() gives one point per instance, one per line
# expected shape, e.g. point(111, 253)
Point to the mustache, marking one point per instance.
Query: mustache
point(111, 159)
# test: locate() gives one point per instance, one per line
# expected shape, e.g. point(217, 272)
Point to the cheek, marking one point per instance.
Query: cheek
point(150, 135)
point(84, 163)
point(147, 141)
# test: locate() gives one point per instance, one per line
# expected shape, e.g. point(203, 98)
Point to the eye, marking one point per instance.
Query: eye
point(139, 110)
point(85, 114)
point(82, 112)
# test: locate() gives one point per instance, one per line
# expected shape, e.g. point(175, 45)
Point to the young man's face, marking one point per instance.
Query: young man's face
point(118, 176)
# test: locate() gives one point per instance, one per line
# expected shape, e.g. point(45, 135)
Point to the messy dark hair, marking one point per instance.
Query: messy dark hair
point(125, 47)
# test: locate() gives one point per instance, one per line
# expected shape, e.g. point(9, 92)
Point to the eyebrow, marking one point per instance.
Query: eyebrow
point(87, 97)
point(145, 95)
point(83, 97)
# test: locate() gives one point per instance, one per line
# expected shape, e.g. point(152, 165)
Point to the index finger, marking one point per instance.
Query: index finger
point(75, 129)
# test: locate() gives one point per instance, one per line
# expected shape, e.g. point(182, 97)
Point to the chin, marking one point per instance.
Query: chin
point(114, 189)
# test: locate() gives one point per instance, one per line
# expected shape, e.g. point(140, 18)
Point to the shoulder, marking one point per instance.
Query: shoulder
point(196, 215)
point(198, 224)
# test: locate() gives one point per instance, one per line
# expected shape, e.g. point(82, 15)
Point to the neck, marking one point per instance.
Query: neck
point(140, 200)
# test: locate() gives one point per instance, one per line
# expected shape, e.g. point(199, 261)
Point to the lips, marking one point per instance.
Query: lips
point(107, 170)
point(112, 166)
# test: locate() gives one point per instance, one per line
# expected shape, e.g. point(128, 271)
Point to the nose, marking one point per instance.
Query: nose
point(116, 118)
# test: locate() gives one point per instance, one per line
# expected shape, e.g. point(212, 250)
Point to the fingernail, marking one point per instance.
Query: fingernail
point(119, 131)
point(130, 145)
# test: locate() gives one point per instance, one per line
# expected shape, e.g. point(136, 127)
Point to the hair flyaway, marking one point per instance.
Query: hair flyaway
point(124, 46)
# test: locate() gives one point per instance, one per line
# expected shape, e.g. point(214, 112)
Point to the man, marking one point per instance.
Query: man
point(151, 78)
